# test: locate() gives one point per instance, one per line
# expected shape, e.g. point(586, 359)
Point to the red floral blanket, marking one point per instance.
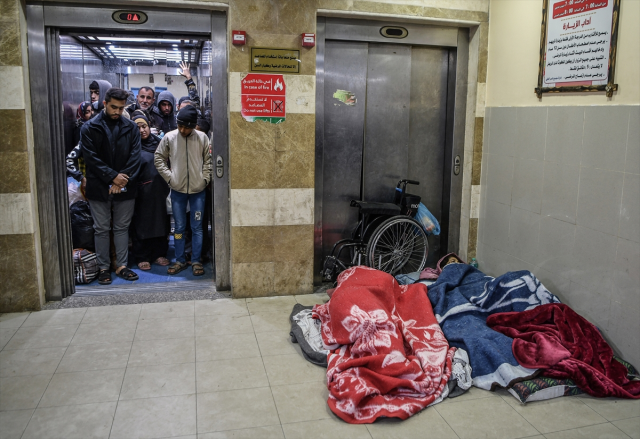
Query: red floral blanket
point(389, 356)
point(555, 338)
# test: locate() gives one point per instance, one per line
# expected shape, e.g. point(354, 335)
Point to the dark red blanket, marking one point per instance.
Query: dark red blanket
point(555, 338)
point(389, 356)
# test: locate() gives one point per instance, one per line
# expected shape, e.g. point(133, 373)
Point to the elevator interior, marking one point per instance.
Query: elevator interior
point(405, 120)
point(71, 46)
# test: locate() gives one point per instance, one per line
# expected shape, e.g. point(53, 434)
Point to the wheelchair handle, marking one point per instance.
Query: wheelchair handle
point(417, 183)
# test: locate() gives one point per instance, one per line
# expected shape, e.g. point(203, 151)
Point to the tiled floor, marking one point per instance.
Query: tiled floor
point(226, 369)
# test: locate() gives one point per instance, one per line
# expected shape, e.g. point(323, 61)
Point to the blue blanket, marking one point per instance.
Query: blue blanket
point(462, 299)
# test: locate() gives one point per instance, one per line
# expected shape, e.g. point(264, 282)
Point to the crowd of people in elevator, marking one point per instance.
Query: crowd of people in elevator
point(134, 156)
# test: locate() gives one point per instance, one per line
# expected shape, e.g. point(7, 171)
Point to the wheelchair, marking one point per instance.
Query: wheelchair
point(386, 238)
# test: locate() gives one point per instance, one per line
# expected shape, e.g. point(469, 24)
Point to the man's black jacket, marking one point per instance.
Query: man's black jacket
point(106, 157)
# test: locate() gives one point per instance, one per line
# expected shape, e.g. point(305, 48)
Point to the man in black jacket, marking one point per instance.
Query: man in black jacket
point(111, 150)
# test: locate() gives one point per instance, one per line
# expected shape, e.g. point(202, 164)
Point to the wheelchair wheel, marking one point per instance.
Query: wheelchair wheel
point(398, 246)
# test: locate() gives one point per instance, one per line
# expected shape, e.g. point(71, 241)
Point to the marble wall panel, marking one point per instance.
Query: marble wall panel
point(293, 277)
point(254, 15)
point(14, 132)
point(478, 136)
point(10, 49)
point(252, 207)
point(292, 243)
point(293, 206)
point(11, 88)
point(252, 244)
point(14, 169)
point(296, 133)
point(251, 136)
point(252, 169)
point(405, 9)
point(15, 214)
point(480, 99)
point(19, 286)
point(473, 238)
point(483, 52)
point(253, 279)
point(295, 169)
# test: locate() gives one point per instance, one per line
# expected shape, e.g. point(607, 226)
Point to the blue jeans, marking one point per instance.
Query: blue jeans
point(179, 207)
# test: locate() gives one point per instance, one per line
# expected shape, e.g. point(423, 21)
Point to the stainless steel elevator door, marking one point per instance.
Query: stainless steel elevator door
point(395, 130)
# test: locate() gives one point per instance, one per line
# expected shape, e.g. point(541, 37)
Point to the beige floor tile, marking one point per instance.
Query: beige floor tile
point(5, 336)
point(271, 321)
point(88, 421)
point(557, 414)
point(22, 392)
point(42, 337)
point(271, 432)
point(167, 310)
point(13, 423)
point(221, 306)
point(99, 356)
point(155, 381)
point(55, 317)
point(326, 429)
point(155, 417)
point(312, 299)
point(472, 393)
point(613, 409)
point(600, 431)
point(630, 426)
point(301, 402)
point(485, 418)
point(83, 388)
point(167, 351)
point(160, 329)
point(292, 369)
point(30, 361)
point(415, 427)
point(114, 331)
point(98, 314)
point(227, 346)
point(207, 326)
point(237, 373)
point(271, 304)
point(13, 319)
point(236, 409)
point(275, 343)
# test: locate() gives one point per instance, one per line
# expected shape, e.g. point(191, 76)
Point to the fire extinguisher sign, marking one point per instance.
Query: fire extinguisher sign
point(263, 96)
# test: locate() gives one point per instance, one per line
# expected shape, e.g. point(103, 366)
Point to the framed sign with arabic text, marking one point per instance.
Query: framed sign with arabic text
point(578, 46)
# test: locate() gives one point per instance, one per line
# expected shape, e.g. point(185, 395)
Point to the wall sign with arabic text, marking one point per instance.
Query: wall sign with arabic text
point(275, 60)
point(578, 46)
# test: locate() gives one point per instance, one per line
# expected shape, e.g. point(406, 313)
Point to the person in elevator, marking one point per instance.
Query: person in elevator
point(111, 150)
point(166, 105)
point(97, 91)
point(183, 159)
point(145, 101)
point(150, 220)
point(194, 97)
point(84, 113)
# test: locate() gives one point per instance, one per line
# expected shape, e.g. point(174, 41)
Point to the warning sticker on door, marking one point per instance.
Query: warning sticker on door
point(346, 97)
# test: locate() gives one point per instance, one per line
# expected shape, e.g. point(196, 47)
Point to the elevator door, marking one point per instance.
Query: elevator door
point(395, 129)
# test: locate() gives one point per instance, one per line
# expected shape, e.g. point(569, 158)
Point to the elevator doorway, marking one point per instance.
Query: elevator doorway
point(69, 48)
point(390, 105)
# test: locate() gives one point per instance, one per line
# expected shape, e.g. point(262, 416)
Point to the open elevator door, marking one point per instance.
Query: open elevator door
point(45, 25)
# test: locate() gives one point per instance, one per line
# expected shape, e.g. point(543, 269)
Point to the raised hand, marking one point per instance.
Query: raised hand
point(185, 70)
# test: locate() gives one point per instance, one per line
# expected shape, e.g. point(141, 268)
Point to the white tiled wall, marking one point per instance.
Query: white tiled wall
point(560, 196)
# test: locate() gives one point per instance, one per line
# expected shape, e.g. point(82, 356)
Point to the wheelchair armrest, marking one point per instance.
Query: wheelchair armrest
point(355, 203)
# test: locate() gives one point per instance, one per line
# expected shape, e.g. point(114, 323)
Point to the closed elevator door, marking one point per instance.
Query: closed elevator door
point(395, 129)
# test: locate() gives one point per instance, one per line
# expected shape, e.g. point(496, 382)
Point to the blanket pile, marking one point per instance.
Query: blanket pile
point(463, 297)
point(555, 338)
point(388, 355)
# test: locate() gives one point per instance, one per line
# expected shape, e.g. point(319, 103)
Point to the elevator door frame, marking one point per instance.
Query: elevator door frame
point(46, 102)
point(454, 38)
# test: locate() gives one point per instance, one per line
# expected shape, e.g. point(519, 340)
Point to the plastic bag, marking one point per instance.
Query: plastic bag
point(81, 225)
point(73, 189)
point(428, 221)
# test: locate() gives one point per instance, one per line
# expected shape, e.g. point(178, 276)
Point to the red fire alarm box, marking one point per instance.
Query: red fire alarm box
point(308, 40)
point(238, 37)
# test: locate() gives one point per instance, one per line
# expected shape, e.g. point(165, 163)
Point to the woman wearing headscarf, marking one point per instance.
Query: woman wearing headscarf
point(84, 113)
point(150, 220)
